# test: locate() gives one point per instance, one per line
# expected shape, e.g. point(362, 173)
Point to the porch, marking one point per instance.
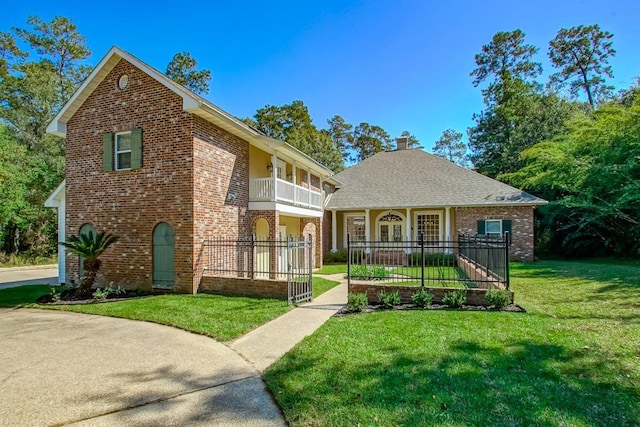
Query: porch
point(278, 190)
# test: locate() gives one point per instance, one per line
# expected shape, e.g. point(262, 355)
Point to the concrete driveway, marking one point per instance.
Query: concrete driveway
point(67, 368)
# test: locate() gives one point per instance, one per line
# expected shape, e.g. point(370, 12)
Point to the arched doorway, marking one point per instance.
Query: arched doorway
point(85, 229)
point(390, 227)
point(163, 256)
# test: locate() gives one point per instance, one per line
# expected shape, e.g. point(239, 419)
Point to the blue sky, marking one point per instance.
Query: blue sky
point(403, 65)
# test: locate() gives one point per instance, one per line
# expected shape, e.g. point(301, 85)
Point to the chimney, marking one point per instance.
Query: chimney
point(402, 143)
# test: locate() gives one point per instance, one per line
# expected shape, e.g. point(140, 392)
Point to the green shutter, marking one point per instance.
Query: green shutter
point(107, 152)
point(481, 228)
point(506, 227)
point(136, 148)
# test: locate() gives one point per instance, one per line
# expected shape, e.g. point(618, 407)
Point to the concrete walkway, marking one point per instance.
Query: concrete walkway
point(62, 368)
point(266, 344)
point(10, 277)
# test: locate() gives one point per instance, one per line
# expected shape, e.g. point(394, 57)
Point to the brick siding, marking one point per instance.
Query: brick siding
point(522, 225)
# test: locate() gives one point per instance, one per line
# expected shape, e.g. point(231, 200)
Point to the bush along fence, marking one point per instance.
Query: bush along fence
point(258, 267)
point(473, 263)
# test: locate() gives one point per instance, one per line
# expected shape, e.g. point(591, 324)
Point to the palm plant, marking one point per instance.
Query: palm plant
point(89, 246)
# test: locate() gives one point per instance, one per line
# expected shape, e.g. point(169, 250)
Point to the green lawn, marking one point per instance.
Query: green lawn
point(220, 317)
point(27, 294)
point(572, 360)
point(332, 269)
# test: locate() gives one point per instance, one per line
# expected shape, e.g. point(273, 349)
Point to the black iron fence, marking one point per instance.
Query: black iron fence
point(289, 260)
point(468, 262)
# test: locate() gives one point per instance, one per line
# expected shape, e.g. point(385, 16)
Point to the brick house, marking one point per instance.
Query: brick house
point(163, 169)
point(398, 195)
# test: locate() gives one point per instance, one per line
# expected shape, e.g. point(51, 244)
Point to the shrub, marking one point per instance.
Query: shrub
point(336, 257)
point(389, 299)
point(498, 298)
point(103, 294)
point(369, 271)
point(455, 298)
point(357, 302)
point(422, 298)
point(432, 259)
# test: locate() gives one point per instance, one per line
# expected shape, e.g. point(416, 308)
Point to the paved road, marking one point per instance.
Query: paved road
point(19, 276)
point(68, 368)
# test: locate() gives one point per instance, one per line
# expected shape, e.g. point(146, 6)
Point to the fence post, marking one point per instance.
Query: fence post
point(348, 261)
point(310, 276)
point(506, 257)
point(252, 260)
point(422, 259)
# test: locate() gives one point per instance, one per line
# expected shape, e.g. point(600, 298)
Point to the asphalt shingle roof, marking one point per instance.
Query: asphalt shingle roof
point(415, 178)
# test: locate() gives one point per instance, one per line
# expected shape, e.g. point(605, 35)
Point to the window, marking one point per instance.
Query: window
point(428, 225)
point(356, 228)
point(493, 226)
point(123, 151)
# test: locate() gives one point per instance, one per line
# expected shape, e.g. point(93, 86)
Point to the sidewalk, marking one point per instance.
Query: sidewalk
point(266, 344)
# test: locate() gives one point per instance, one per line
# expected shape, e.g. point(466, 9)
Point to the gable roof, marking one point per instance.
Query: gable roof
point(191, 103)
point(415, 178)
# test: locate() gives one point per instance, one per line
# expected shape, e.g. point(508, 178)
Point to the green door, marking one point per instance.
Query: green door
point(163, 259)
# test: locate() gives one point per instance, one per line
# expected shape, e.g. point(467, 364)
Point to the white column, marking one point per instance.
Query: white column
point(408, 231)
point(334, 231)
point(295, 183)
point(308, 187)
point(367, 229)
point(62, 238)
point(447, 227)
point(274, 176)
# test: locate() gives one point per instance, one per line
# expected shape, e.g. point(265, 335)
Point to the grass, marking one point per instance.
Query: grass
point(573, 359)
point(220, 317)
point(332, 269)
point(22, 295)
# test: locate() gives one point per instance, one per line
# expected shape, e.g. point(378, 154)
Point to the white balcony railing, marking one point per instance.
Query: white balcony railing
point(261, 190)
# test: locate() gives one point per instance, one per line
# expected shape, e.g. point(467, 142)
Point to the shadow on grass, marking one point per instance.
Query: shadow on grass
point(521, 383)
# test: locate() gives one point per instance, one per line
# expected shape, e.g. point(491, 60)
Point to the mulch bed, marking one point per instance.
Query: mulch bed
point(377, 307)
point(69, 297)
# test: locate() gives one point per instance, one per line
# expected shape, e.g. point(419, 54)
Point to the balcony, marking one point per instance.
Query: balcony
point(262, 190)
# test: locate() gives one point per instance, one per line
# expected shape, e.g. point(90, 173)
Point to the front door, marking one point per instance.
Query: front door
point(390, 228)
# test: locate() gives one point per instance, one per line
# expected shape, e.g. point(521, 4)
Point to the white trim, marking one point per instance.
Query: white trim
point(285, 209)
point(334, 231)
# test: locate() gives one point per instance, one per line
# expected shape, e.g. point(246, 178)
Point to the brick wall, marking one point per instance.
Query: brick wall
point(131, 203)
point(313, 227)
point(521, 222)
point(221, 187)
point(245, 287)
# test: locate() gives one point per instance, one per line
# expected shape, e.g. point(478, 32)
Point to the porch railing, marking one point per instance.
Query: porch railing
point(469, 262)
point(261, 189)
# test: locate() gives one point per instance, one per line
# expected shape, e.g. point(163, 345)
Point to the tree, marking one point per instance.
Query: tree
point(341, 134)
point(34, 84)
point(368, 140)
point(450, 146)
point(292, 123)
point(591, 175)
point(89, 246)
point(582, 56)
point(182, 70)
point(505, 59)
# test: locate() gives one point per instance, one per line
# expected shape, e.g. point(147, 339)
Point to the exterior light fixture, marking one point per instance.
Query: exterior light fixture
point(270, 167)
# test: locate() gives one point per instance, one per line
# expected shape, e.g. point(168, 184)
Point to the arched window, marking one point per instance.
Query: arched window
point(85, 229)
point(163, 256)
